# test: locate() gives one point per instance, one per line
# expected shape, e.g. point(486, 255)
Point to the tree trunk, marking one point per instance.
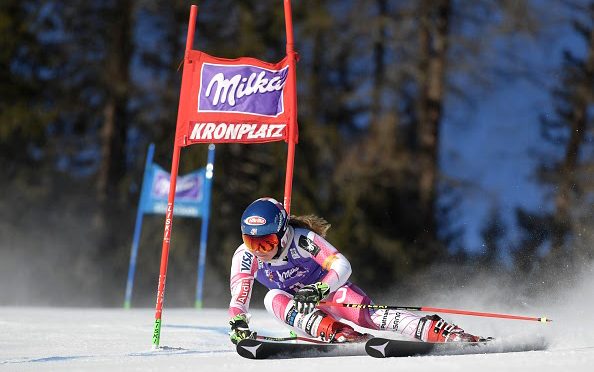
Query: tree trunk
point(379, 73)
point(433, 38)
point(578, 124)
point(112, 169)
point(113, 132)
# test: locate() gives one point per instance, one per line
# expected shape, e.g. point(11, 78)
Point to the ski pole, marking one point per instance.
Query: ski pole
point(439, 310)
point(290, 338)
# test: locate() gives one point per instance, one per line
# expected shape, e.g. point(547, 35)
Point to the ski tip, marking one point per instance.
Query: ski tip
point(248, 348)
point(544, 319)
point(379, 347)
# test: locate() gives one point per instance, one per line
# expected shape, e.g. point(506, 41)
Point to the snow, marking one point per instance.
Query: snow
point(82, 339)
point(112, 339)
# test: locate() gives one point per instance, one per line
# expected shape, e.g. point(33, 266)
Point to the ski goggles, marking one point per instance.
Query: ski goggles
point(262, 244)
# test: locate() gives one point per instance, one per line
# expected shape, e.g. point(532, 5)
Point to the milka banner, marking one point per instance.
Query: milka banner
point(188, 192)
point(242, 100)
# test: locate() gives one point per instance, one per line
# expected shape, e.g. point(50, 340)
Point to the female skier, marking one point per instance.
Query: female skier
point(301, 269)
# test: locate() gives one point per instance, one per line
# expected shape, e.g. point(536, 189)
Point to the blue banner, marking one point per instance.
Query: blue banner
point(192, 199)
point(189, 192)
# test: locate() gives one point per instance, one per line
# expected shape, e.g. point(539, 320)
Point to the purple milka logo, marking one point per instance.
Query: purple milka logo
point(242, 89)
point(188, 187)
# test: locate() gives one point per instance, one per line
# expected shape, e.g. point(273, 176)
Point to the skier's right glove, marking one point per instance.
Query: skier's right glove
point(308, 297)
point(240, 329)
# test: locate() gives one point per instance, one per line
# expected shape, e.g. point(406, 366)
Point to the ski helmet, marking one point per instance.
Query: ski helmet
point(263, 217)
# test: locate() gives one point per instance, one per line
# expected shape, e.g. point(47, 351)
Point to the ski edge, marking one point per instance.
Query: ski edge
point(379, 347)
point(268, 349)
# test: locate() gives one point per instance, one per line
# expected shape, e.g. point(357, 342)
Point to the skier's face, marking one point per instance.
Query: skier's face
point(263, 247)
point(266, 256)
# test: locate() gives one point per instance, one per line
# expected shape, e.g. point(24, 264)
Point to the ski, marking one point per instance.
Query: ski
point(295, 348)
point(379, 347)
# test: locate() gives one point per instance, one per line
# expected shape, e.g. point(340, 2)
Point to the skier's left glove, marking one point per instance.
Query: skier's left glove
point(240, 329)
point(308, 297)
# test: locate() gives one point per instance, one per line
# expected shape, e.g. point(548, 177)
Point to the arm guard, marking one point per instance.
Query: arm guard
point(337, 266)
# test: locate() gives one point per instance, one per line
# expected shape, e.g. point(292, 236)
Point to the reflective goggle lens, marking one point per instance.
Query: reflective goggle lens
point(263, 244)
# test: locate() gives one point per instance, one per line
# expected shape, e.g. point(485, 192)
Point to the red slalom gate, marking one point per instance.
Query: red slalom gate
point(242, 100)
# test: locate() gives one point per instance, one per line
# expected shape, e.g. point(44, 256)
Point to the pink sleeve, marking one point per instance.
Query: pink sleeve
point(337, 265)
point(243, 267)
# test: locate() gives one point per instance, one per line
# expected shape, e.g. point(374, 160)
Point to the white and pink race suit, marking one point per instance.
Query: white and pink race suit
point(307, 259)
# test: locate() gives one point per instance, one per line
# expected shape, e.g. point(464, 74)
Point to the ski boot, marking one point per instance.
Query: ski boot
point(333, 331)
point(433, 328)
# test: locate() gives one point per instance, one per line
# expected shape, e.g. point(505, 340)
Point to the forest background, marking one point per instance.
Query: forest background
point(444, 140)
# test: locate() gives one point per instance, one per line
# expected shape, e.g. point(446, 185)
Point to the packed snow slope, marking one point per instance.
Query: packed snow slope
point(72, 339)
point(84, 339)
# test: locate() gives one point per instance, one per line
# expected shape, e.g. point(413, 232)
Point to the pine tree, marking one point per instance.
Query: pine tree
point(569, 130)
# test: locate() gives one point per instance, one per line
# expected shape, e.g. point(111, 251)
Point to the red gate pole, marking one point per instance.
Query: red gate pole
point(292, 125)
point(173, 180)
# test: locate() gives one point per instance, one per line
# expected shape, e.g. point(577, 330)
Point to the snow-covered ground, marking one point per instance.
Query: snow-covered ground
point(104, 339)
point(82, 339)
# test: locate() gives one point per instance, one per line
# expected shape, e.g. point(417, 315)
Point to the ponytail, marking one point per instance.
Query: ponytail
point(314, 223)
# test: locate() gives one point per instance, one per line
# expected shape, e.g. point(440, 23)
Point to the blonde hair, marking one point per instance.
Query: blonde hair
point(312, 222)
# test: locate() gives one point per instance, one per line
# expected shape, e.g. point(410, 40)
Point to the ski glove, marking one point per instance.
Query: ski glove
point(240, 329)
point(308, 297)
